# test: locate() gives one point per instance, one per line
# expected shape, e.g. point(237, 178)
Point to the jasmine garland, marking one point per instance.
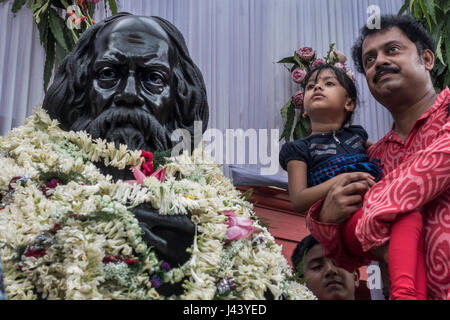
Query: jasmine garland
point(66, 231)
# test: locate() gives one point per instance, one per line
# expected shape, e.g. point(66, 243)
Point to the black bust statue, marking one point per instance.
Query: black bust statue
point(130, 80)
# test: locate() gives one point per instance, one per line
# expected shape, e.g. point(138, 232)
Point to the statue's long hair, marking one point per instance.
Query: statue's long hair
point(67, 98)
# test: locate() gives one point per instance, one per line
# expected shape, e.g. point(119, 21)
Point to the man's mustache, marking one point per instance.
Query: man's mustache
point(377, 75)
point(119, 121)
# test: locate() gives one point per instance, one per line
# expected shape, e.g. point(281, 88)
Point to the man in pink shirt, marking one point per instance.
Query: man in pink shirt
point(415, 155)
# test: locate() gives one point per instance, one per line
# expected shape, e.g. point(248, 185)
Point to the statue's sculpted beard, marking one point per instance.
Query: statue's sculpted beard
point(134, 127)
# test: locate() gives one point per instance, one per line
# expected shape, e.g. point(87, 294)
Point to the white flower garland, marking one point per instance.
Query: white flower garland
point(78, 239)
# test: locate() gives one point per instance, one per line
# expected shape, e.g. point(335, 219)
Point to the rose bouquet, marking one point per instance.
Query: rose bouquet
point(304, 60)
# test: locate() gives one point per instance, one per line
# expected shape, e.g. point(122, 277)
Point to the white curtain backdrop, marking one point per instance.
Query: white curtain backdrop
point(235, 43)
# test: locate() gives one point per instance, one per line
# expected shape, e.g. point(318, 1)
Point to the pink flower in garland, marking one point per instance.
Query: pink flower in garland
point(238, 228)
point(93, 1)
point(147, 170)
point(140, 176)
point(298, 99)
point(306, 53)
point(298, 75)
point(341, 66)
point(317, 63)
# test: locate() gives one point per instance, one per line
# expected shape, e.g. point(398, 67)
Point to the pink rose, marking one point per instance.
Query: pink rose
point(351, 75)
point(341, 66)
point(298, 75)
point(317, 63)
point(306, 53)
point(238, 228)
point(298, 99)
point(340, 56)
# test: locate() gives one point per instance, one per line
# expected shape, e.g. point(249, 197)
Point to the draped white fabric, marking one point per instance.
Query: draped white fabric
point(234, 42)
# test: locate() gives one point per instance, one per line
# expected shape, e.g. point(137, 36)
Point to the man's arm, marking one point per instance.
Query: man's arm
point(326, 217)
point(418, 180)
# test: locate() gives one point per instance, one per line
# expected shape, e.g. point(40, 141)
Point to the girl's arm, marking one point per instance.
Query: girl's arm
point(302, 197)
point(368, 144)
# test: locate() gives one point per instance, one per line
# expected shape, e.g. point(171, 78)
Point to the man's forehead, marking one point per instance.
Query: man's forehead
point(314, 253)
point(140, 35)
point(379, 39)
point(139, 25)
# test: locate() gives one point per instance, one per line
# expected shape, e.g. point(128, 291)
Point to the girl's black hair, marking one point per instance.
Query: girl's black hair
point(343, 79)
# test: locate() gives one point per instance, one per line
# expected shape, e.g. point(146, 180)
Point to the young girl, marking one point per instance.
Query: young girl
point(334, 149)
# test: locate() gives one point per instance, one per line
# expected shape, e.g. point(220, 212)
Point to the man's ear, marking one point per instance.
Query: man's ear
point(356, 277)
point(428, 59)
point(350, 105)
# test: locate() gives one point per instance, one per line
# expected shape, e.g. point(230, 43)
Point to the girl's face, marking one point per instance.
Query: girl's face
point(326, 100)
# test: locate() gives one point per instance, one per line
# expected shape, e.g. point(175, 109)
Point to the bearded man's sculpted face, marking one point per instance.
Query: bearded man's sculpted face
point(130, 92)
point(130, 80)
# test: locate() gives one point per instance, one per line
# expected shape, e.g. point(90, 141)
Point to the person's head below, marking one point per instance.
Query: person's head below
point(330, 98)
point(396, 59)
point(320, 274)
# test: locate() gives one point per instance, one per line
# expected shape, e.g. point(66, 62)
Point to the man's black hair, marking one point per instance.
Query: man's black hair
point(300, 251)
point(406, 23)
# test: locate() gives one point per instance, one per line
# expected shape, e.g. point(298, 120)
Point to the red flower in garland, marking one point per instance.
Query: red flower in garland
point(35, 252)
point(118, 259)
point(147, 166)
point(147, 170)
point(51, 185)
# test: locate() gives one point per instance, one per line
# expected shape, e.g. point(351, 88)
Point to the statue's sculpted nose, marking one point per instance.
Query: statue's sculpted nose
point(130, 95)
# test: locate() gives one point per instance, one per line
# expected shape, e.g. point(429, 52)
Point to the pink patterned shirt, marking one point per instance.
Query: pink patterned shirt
point(416, 175)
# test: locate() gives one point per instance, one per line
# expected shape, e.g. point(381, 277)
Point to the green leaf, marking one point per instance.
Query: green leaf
point(60, 53)
point(17, 5)
point(70, 41)
point(446, 80)
point(425, 13)
point(411, 3)
point(447, 46)
point(43, 28)
point(431, 10)
point(37, 5)
point(287, 60)
point(403, 8)
point(417, 12)
point(112, 6)
point(285, 109)
point(49, 60)
point(289, 122)
point(445, 7)
point(299, 62)
point(439, 51)
point(247, 195)
point(439, 68)
point(302, 128)
point(57, 26)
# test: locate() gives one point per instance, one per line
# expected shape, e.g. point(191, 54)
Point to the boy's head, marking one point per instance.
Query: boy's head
point(321, 275)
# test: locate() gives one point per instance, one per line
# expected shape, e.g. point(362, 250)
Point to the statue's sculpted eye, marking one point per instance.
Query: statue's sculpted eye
point(154, 81)
point(108, 73)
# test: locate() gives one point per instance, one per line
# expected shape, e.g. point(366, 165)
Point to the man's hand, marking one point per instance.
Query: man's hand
point(345, 197)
